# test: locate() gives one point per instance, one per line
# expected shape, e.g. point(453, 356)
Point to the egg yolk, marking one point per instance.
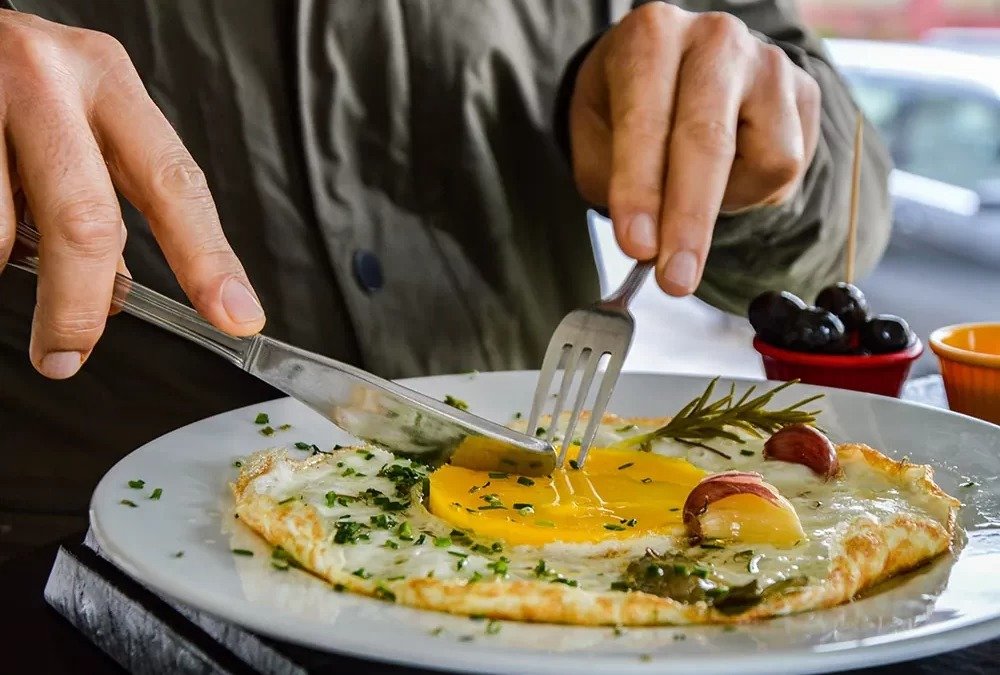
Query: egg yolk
point(751, 519)
point(617, 494)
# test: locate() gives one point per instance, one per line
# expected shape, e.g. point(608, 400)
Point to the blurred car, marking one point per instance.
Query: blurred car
point(976, 40)
point(938, 111)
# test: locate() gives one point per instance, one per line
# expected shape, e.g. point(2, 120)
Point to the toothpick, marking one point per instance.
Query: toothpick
point(852, 229)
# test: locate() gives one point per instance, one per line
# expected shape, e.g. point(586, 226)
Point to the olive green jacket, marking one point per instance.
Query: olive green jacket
point(387, 172)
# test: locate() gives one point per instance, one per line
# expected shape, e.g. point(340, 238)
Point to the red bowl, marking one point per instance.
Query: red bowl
point(876, 373)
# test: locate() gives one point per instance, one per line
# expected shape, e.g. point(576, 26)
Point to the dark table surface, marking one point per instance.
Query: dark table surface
point(36, 637)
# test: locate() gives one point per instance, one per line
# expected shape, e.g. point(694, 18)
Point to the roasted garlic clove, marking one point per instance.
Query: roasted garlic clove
point(740, 506)
point(806, 445)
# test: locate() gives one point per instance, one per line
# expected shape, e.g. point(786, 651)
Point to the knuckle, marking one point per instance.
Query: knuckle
point(777, 169)
point(774, 58)
point(175, 174)
point(808, 91)
point(650, 19)
point(644, 124)
point(721, 25)
point(96, 43)
point(712, 137)
point(89, 225)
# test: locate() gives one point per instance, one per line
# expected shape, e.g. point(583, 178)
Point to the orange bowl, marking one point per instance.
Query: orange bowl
point(969, 355)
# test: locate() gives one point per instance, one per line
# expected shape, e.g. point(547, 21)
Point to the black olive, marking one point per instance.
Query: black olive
point(772, 312)
point(886, 333)
point(846, 302)
point(816, 330)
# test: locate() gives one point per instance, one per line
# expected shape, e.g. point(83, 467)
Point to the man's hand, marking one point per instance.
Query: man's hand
point(676, 116)
point(77, 124)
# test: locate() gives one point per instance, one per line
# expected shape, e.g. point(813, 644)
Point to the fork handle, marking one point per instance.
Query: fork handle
point(631, 285)
point(146, 304)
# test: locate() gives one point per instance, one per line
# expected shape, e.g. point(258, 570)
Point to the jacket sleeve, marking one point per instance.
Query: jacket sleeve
point(799, 245)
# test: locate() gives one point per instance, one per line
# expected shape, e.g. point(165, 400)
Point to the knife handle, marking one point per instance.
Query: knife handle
point(146, 304)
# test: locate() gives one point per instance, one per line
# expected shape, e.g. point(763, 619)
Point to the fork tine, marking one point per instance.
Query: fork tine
point(569, 374)
point(600, 404)
point(553, 355)
point(586, 380)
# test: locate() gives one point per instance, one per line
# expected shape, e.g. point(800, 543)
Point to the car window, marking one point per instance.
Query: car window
point(953, 137)
point(881, 100)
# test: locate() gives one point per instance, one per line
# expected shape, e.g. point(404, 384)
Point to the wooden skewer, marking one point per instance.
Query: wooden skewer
point(852, 229)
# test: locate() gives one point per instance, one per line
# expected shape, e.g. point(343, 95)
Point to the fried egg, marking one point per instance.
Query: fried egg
point(565, 548)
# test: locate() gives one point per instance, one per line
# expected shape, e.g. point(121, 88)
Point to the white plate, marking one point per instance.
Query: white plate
point(952, 603)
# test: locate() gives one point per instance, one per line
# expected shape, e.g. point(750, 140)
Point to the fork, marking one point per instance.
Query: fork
point(580, 341)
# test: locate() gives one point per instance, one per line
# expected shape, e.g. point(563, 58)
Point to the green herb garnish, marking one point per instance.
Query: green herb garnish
point(299, 445)
point(261, 418)
point(626, 465)
point(525, 481)
point(442, 542)
point(286, 500)
point(493, 627)
point(455, 402)
point(747, 453)
point(156, 493)
point(361, 573)
point(615, 527)
point(267, 431)
point(128, 502)
point(137, 484)
point(498, 474)
point(242, 551)
point(702, 420)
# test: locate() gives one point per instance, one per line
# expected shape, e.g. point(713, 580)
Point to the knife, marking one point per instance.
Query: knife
point(375, 410)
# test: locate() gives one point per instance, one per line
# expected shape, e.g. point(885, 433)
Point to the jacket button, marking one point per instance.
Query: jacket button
point(368, 270)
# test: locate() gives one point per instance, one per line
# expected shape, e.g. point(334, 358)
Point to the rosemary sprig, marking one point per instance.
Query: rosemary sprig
point(702, 420)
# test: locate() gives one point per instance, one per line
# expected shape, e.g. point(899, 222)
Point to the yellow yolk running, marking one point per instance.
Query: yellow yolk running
point(618, 493)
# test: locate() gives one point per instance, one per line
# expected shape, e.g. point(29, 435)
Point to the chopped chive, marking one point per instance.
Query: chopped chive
point(339, 588)
point(382, 592)
point(286, 500)
point(284, 427)
point(128, 502)
point(137, 484)
point(498, 474)
point(518, 415)
point(614, 527)
point(237, 464)
point(747, 453)
point(442, 542)
point(476, 576)
point(156, 493)
point(458, 554)
point(626, 465)
point(361, 573)
point(499, 567)
point(420, 540)
point(455, 402)
point(389, 543)
point(674, 508)
point(560, 579)
point(574, 464)
point(619, 586)
point(544, 523)
point(968, 484)
point(540, 431)
point(299, 445)
point(267, 431)
point(646, 480)
point(261, 418)
point(631, 522)
point(524, 480)
point(366, 454)
point(493, 627)
point(179, 554)
point(242, 551)
point(405, 531)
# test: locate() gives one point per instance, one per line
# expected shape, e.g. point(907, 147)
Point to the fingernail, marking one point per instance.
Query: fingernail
point(680, 270)
point(240, 303)
point(60, 365)
point(642, 232)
